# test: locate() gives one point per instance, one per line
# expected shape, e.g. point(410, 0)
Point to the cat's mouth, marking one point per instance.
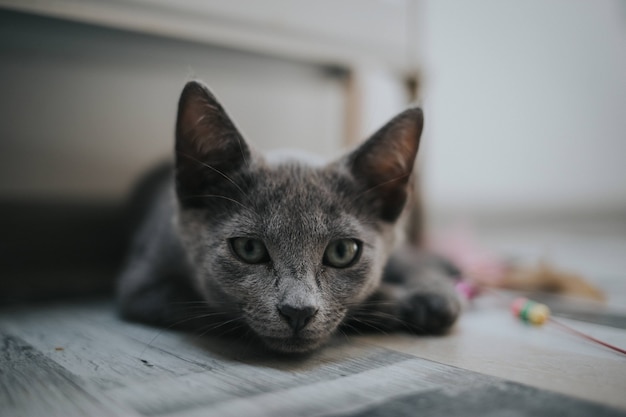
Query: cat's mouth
point(293, 344)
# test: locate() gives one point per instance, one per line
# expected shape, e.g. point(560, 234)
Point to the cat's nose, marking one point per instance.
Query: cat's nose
point(297, 317)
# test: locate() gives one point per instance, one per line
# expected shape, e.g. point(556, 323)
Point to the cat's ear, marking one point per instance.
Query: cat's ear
point(384, 163)
point(208, 145)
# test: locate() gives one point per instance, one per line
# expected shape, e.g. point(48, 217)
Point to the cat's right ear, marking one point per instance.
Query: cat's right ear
point(208, 145)
point(384, 163)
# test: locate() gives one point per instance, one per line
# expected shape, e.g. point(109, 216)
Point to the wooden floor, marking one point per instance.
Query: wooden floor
point(80, 360)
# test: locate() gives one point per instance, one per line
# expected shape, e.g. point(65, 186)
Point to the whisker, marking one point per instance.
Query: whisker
point(380, 185)
point(216, 170)
point(368, 324)
point(196, 317)
point(243, 155)
point(149, 344)
point(220, 196)
point(231, 329)
point(344, 334)
point(211, 328)
point(387, 316)
point(193, 317)
point(370, 305)
point(172, 325)
point(350, 327)
point(205, 303)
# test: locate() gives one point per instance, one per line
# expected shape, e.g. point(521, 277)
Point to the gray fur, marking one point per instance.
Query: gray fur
point(181, 268)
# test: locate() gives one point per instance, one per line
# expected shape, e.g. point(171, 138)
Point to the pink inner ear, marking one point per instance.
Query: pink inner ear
point(195, 125)
point(203, 127)
point(193, 113)
point(385, 163)
point(396, 161)
point(393, 154)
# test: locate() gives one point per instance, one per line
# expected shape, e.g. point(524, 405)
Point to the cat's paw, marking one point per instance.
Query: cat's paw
point(430, 313)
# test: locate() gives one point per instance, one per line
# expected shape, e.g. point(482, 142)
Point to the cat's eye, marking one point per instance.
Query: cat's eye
point(249, 250)
point(342, 253)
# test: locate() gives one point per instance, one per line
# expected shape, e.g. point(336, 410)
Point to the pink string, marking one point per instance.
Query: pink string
point(586, 336)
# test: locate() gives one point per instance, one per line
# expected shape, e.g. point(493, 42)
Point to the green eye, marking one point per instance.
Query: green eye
point(251, 251)
point(342, 253)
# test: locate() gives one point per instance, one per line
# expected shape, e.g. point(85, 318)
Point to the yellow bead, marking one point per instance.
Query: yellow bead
point(538, 314)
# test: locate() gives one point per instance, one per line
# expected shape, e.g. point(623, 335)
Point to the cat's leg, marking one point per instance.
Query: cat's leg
point(417, 294)
point(154, 284)
point(147, 295)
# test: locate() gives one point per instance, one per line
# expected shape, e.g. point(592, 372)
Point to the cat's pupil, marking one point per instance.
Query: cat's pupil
point(249, 246)
point(341, 250)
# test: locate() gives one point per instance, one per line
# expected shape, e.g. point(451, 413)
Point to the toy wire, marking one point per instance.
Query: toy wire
point(572, 330)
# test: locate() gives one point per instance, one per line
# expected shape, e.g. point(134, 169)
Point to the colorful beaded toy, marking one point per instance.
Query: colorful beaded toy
point(530, 312)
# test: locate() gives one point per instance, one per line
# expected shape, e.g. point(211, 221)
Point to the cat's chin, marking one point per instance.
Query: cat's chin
point(292, 344)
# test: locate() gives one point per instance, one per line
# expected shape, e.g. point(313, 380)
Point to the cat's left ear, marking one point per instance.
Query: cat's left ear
point(209, 148)
point(384, 163)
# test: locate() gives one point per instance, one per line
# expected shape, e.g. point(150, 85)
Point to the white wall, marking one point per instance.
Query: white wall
point(84, 110)
point(525, 105)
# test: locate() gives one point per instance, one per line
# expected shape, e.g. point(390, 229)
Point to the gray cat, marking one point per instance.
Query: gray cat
point(284, 249)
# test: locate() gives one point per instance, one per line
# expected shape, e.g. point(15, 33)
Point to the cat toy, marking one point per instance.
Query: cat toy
point(482, 271)
point(530, 312)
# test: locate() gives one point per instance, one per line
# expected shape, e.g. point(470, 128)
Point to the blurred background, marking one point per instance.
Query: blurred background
point(525, 106)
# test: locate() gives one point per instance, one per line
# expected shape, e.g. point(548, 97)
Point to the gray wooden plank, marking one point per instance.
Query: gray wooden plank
point(173, 371)
point(99, 355)
point(502, 398)
point(33, 385)
point(154, 372)
point(348, 393)
point(242, 380)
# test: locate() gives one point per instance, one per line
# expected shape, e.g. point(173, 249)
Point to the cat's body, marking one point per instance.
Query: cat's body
point(285, 247)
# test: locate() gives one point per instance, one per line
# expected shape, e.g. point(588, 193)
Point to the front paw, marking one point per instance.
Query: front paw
point(430, 313)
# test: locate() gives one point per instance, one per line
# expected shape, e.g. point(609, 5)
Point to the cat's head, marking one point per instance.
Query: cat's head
point(291, 246)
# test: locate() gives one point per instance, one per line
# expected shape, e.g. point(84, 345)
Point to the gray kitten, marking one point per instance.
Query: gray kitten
point(286, 249)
